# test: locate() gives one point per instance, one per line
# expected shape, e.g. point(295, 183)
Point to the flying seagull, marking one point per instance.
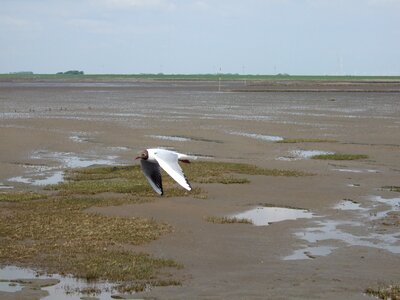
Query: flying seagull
point(152, 159)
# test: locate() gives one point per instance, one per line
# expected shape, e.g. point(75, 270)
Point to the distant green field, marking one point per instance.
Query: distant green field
point(90, 77)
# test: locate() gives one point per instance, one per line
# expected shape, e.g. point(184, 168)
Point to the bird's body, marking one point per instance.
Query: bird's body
point(152, 159)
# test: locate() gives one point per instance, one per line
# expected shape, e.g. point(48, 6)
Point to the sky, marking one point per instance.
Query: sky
point(296, 37)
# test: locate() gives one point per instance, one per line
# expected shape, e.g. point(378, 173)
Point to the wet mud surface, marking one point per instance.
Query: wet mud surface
point(349, 237)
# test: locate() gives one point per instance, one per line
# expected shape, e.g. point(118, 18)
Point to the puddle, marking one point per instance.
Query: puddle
point(354, 185)
point(41, 175)
point(10, 287)
point(261, 137)
point(5, 187)
point(361, 230)
point(71, 160)
point(62, 287)
point(263, 216)
point(349, 205)
point(121, 148)
point(178, 138)
point(339, 231)
point(52, 178)
point(303, 154)
point(394, 205)
point(171, 138)
point(310, 252)
point(394, 202)
point(356, 170)
point(78, 139)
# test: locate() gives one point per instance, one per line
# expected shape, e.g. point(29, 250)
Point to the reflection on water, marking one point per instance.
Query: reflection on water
point(262, 137)
point(61, 287)
point(52, 178)
point(309, 153)
point(356, 170)
point(349, 205)
point(5, 187)
point(171, 138)
point(310, 252)
point(262, 216)
point(41, 175)
point(303, 154)
point(359, 231)
point(11, 287)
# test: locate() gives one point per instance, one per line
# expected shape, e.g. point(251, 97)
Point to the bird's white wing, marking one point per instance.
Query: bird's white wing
point(168, 160)
point(152, 172)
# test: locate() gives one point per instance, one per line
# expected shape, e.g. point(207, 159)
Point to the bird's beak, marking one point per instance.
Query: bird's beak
point(137, 157)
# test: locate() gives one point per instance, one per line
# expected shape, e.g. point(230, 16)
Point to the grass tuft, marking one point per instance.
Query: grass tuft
point(56, 233)
point(340, 156)
point(129, 179)
point(392, 188)
point(227, 220)
point(20, 196)
point(385, 292)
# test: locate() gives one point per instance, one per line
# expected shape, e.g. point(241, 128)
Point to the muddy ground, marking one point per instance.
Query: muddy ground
point(351, 250)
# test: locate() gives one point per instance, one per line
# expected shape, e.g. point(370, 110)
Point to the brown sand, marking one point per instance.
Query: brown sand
point(231, 261)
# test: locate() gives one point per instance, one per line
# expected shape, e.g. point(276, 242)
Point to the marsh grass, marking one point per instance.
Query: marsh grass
point(54, 232)
point(222, 172)
point(385, 292)
point(227, 220)
point(340, 156)
point(391, 188)
point(294, 141)
point(57, 234)
point(137, 287)
point(20, 196)
point(129, 179)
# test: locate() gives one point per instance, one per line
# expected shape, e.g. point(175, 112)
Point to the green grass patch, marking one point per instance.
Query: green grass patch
point(340, 156)
point(137, 287)
point(227, 220)
point(57, 234)
point(294, 141)
point(20, 196)
point(391, 188)
point(130, 179)
point(222, 172)
point(385, 292)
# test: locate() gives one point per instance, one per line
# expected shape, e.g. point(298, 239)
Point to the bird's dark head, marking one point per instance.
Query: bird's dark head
point(143, 155)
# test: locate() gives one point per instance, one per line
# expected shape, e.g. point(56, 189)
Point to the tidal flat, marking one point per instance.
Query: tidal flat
point(103, 221)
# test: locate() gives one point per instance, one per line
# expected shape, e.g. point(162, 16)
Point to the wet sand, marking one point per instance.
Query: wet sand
point(45, 123)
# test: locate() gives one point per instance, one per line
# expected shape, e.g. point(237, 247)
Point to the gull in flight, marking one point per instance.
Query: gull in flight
point(152, 159)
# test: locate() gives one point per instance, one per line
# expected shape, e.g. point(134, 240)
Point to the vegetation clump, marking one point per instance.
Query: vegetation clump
point(227, 220)
point(392, 188)
point(20, 196)
point(385, 292)
point(57, 234)
point(54, 231)
point(340, 156)
point(130, 179)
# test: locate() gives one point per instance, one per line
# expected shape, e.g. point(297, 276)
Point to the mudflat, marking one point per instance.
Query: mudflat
point(350, 242)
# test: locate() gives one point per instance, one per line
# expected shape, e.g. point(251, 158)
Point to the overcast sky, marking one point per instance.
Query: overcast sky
point(321, 37)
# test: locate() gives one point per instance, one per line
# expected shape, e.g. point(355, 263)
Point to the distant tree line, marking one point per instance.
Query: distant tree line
point(71, 72)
